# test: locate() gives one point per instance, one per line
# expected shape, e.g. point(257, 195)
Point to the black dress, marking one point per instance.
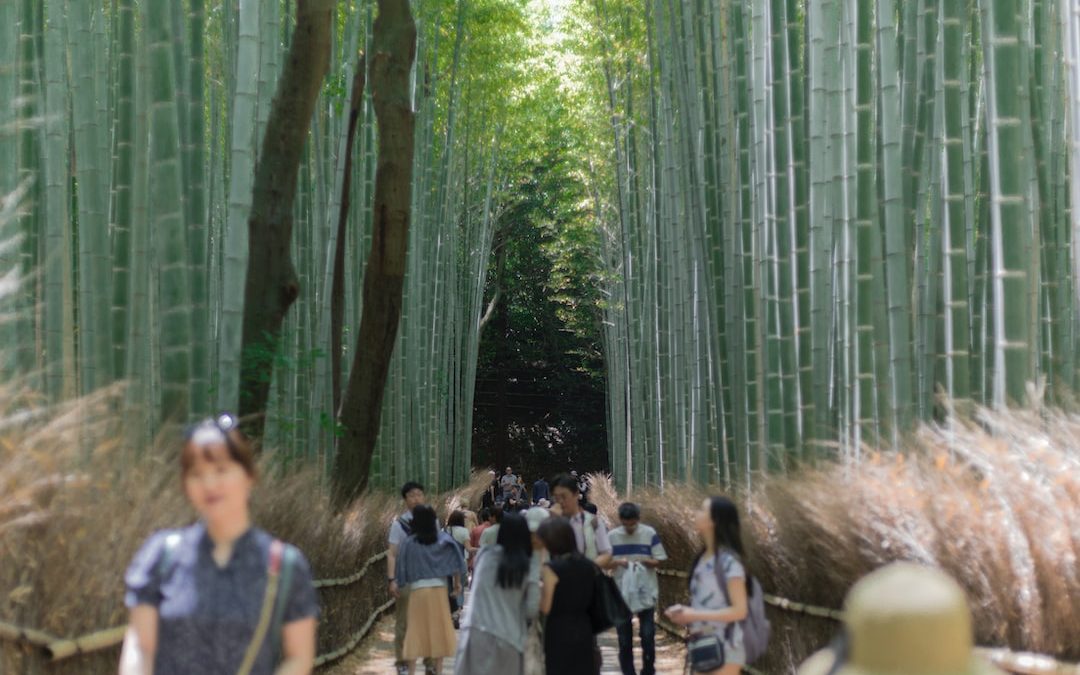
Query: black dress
point(568, 637)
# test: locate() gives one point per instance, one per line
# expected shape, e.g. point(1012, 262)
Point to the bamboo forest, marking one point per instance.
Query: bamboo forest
point(761, 232)
point(819, 256)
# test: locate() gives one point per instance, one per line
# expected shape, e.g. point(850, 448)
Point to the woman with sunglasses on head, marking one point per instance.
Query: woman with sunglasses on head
point(220, 597)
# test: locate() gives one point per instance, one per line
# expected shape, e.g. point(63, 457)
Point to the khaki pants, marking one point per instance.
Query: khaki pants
point(401, 617)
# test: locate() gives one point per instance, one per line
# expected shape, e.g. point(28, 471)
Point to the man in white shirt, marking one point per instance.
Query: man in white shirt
point(589, 530)
point(636, 553)
point(507, 483)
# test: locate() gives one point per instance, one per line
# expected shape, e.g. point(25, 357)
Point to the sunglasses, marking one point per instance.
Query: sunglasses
point(213, 430)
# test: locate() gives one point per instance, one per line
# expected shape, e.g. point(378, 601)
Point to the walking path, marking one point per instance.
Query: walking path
point(375, 656)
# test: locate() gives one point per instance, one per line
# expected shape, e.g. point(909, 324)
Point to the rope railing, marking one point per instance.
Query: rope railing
point(58, 648)
point(778, 601)
point(355, 576)
point(356, 637)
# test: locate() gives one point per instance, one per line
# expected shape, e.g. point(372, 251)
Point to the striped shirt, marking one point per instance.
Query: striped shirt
point(643, 544)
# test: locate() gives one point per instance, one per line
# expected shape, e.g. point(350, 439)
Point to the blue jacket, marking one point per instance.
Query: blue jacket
point(416, 561)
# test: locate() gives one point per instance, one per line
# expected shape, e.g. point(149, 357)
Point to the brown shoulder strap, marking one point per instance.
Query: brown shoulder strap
point(273, 572)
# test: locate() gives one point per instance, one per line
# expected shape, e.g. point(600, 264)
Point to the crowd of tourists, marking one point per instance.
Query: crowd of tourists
point(546, 575)
point(544, 560)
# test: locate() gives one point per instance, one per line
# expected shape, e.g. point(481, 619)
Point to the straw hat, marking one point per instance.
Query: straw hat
point(905, 619)
point(535, 516)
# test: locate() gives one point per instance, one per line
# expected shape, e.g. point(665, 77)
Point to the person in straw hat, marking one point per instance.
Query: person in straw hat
point(903, 619)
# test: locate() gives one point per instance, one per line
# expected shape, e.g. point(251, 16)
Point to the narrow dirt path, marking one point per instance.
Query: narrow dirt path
point(375, 656)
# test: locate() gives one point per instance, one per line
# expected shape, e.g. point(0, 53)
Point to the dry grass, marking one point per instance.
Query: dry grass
point(995, 502)
point(70, 522)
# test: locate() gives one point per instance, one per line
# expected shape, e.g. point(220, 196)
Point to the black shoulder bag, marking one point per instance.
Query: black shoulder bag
point(607, 608)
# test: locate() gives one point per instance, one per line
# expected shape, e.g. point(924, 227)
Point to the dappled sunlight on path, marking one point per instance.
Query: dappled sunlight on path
point(375, 656)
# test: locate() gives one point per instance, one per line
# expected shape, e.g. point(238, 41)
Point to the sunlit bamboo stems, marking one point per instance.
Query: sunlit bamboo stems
point(166, 217)
point(1010, 225)
point(241, 179)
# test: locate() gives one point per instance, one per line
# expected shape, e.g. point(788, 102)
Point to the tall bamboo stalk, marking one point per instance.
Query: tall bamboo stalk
point(1011, 224)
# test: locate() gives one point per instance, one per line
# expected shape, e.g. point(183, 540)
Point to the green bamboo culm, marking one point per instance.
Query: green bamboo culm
point(814, 223)
point(886, 220)
point(166, 218)
point(1011, 224)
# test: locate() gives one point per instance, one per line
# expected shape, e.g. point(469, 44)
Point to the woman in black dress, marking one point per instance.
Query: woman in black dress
point(569, 645)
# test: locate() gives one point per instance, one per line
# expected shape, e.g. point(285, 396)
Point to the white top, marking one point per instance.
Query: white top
point(489, 536)
point(461, 536)
point(397, 532)
point(705, 592)
point(591, 534)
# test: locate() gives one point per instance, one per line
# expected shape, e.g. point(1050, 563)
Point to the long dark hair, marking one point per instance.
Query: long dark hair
point(727, 534)
point(424, 524)
point(516, 542)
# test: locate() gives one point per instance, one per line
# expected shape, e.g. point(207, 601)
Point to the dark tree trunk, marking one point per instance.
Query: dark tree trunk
point(393, 52)
point(337, 291)
point(271, 285)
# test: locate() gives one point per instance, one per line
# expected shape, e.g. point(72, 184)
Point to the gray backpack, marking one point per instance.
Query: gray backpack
point(755, 627)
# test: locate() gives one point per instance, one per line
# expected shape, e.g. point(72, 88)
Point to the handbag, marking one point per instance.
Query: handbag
point(706, 652)
point(607, 608)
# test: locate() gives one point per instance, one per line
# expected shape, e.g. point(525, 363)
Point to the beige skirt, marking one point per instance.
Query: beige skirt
point(429, 631)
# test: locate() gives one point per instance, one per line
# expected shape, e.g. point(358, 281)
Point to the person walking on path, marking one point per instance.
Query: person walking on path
point(583, 486)
point(507, 483)
point(200, 597)
point(534, 641)
point(590, 532)
point(490, 535)
point(714, 610)
point(487, 519)
point(636, 553)
point(568, 584)
point(455, 527)
point(540, 490)
point(425, 560)
point(490, 492)
point(412, 493)
point(505, 598)
point(517, 502)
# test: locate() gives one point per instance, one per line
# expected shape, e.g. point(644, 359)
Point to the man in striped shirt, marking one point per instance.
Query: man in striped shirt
point(636, 553)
